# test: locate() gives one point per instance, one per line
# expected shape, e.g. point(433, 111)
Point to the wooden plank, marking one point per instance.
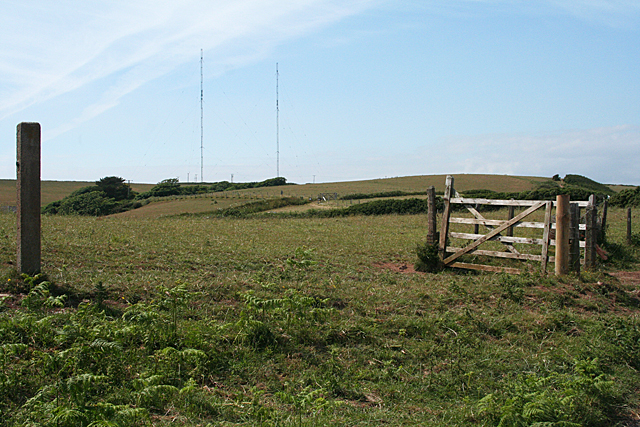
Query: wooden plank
point(501, 239)
point(497, 254)
point(497, 222)
point(444, 231)
point(499, 202)
point(480, 267)
point(493, 202)
point(545, 236)
point(494, 222)
point(493, 233)
point(506, 239)
point(479, 216)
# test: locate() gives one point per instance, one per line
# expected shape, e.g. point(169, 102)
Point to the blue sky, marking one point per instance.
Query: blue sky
point(367, 88)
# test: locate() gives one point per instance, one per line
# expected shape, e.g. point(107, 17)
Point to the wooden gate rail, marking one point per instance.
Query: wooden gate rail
point(450, 254)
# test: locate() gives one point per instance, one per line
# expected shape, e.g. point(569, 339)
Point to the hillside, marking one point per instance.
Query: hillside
point(56, 190)
point(51, 190)
point(192, 321)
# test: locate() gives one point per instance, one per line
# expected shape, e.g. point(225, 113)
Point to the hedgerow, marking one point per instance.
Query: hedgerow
point(628, 198)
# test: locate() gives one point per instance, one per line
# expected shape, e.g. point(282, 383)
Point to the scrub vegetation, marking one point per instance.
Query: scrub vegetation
point(278, 320)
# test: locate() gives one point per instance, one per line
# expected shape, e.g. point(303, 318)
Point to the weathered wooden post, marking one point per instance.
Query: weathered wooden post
point(546, 236)
point(590, 236)
point(603, 224)
point(431, 206)
point(562, 234)
point(510, 217)
point(28, 197)
point(629, 226)
point(444, 228)
point(574, 239)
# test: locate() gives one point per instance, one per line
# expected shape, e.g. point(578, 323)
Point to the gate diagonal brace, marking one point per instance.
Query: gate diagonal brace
point(479, 216)
point(493, 233)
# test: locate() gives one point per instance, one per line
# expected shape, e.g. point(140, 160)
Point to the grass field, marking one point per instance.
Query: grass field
point(56, 190)
point(305, 322)
point(183, 205)
point(407, 184)
point(51, 190)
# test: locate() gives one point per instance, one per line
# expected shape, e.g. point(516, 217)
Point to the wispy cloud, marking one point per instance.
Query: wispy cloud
point(615, 13)
point(53, 48)
point(605, 154)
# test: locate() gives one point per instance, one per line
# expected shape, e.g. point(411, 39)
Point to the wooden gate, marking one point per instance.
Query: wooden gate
point(503, 231)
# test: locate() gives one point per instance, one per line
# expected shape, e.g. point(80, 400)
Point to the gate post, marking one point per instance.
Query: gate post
point(591, 234)
point(28, 197)
point(629, 225)
point(574, 239)
point(444, 229)
point(603, 224)
point(562, 235)
point(510, 213)
point(431, 206)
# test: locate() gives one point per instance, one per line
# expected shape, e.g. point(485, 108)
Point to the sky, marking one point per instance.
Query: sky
point(365, 88)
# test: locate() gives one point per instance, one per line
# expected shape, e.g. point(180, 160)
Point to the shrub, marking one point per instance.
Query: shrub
point(428, 258)
point(585, 397)
point(626, 198)
point(586, 183)
point(93, 203)
point(109, 195)
point(115, 188)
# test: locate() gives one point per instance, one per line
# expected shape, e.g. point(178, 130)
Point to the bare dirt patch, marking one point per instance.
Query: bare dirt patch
point(397, 267)
point(628, 277)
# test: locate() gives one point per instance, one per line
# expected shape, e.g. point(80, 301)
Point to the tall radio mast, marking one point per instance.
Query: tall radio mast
point(201, 120)
point(277, 127)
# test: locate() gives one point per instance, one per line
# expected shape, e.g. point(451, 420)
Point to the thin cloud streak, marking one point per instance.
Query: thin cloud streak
point(605, 154)
point(142, 41)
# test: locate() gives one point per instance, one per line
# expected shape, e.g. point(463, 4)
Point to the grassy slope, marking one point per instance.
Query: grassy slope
point(56, 190)
point(51, 190)
point(394, 349)
point(182, 205)
point(408, 184)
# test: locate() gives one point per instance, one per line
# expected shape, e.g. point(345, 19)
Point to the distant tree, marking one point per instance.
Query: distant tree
point(273, 182)
point(109, 195)
point(166, 187)
point(556, 177)
point(115, 188)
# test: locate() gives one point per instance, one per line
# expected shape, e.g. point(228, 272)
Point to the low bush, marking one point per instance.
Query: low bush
point(626, 198)
point(428, 258)
point(397, 193)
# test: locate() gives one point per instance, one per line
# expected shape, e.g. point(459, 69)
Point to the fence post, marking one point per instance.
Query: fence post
point(431, 206)
point(562, 234)
point(590, 234)
point(444, 229)
point(546, 236)
point(603, 224)
point(510, 217)
point(629, 225)
point(28, 197)
point(574, 239)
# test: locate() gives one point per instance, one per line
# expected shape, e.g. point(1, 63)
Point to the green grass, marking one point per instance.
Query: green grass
point(51, 190)
point(275, 321)
point(56, 190)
